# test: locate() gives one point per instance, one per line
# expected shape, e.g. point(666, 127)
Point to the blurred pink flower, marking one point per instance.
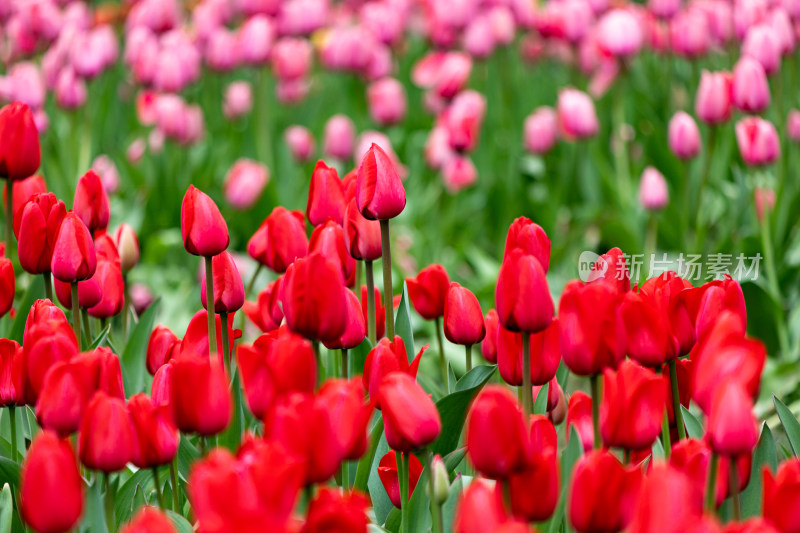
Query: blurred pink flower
point(750, 86)
point(291, 58)
point(70, 91)
point(300, 142)
point(387, 101)
point(758, 141)
point(238, 100)
point(107, 170)
point(653, 192)
point(619, 33)
point(255, 39)
point(339, 137)
point(713, 101)
point(577, 118)
point(459, 173)
point(244, 183)
point(762, 44)
point(793, 125)
point(683, 135)
point(540, 130)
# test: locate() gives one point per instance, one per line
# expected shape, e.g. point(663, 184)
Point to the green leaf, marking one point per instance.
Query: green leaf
point(453, 408)
point(126, 501)
point(6, 509)
point(402, 324)
point(790, 424)
point(181, 524)
point(232, 436)
point(693, 426)
point(94, 515)
point(380, 500)
point(765, 454)
point(9, 472)
point(454, 458)
point(364, 468)
point(658, 450)
point(133, 356)
point(449, 507)
point(562, 375)
point(187, 454)
point(451, 379)
point(572, 453)
point(35, 292)
point(101, 338)
point(540, 405)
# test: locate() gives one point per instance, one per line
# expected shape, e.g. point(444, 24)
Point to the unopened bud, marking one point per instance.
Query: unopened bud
point(441, 481)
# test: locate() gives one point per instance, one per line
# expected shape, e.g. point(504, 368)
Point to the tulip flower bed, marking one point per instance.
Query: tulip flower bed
point(461, 312)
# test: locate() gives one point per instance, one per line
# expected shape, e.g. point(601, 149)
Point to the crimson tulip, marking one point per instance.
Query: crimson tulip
point(611, 269)
point(20, 153)
point(356, 329)
point(428, 291)
point(579, 416)
point(463, 318)
point(379, 191)
point(112, 300)
point(149, 520)
point(752, 525)
point(693, 458)
point(708, 301)
point(782, 495)
point(279, 240)
point(541, 471)
point(12, 373)
point(66, 391)
point(328, 239)
point(205, 232)
point(162, 346)
point(531, 239)
point(380, 311)
point(195, 340)
point(331, 510)
point(40, 221)
point(105, 441)
point(74, 258)
point(7, 285)
point(266, 313)
point(481, 509)
point(23, 191)
point(91, 202)
point(102, 366)
point(46, 341)
point(732, 428)
point(411, 418)
point(522, 296)
point(489, 344)
point(228, 285)
point(673, 513)
point(155, 437)
point(201, 400)
point(362, 236)
point(345, 400)
point(89, 292)
point(387, 472)
point(325, 196)
point(544, 354)
point(387, 357)
point(51, 488)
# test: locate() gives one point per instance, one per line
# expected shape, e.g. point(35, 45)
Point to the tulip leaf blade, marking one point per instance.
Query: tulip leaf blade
point(125, 498)
point(402, 324)
point(449, 506)
point(765, 454)
point(6, 509)
point(101, 338)
point(540, 405)
point(693, 426)
point(94, 515)
point(451, 379)
point(35, 292)
point(572, 453)
point(475, 377)
point(232, 436)
point(790, 424)
point(181, 524)
point(187, 454)
point(135, 352)
point(381, 503)
point(454, 458)
point(9, 472)
point(365, 464)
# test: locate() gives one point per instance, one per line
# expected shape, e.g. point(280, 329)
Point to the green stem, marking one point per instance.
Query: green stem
point(436, 509)
point(125, 307)
point(175, 488)
point(402, 470)
point(734, 487)
point(109, 501)
point(318, 360)
point(159, 494)
point(595, 383)
point(359, 266)
point(626, 456)
point(76, 312)
point(772, 282)
point(650, 240)
point(442, 361)
point(12, 414)
point(386, 257)
point(345, 365)
point(676, 399)
point(621, 164)
point(249, 290)
point(698, 208)
point(226, 348)
point(263, 133)
point(372, 316)
point(711, 484)
point(665, 439)
point(468, 349)
point(527, 386)
point(9, 216)
point(48, 285)
point(87, 325)
point(212, 327)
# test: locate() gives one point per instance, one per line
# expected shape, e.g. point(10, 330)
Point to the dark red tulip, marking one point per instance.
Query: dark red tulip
point(428, 291)
point(105, 441)
point(331, 510)
point(463, 318)
point(40, 221)
point(544, 353)
point(346, 404)
point(356, 328)
point(379, 191)
point(149, 520)
point(279, 240)
point(314, 298)
point(387, 357)
point(541, 471)
point(155, 436)
point(410, 416)
point(12, 373)
point(109, 277)
point(201, 400)
point(673, 513)
point(781, 498)
point(228, 285)
point(204, 230)
point(611, 269)
point(496, 436)
point(20, 154)
point(603, 493)
point(362, 236)
point(531, 239)
point(74, 258)
point(51, 488)
point(707, 302)
point(387, 472)
point(489, 344)
point(162, 346)
point(633, 406)
point(23, 191)
point(732, 428)
point(91, 202)
point(522, 296)
point(266, 313)
point(592, 331)
point(65, 393)
point(325, 196)
point(7, 285)
point(328, 239)
point(380, 311)
point(579, 415)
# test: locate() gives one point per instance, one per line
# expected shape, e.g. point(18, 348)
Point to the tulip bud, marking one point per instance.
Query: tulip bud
point(74, 258)
point(679, 508)
point(156, 437)
point(428, 291)
point(20, 154)
point(325, 196)
point(463, 119)
point(201, 400)
point(750, 86)
point(279, 240)
point(238, 100)
point(458, 173)
point(204, 230)
point(611, 269)
point(762, 43)
point(764, 199)
point(541, 130)
point(780, 498)
point(12, 378)
point(579, 416)
point(793, 125)
point(541, 471)
point(379, 191)
point(713, 101)
point(489, 344)
point(149, 520)
point(410, 416)
point(334, 510)
point(521, 281)
point(758, 141)
point(300, 142)
point(362, 236)
point(463, 318)
point(23, 190)
point(441, 481)
point(480, 510)
point(388, 474)
point(109, 277)
point(51, 488)
point(91, 202)
point(387, 101)
point(544, 354)
point(339, 137)
point(266, 314)
point(531, 238)
point(161, 348)
point(653, 192)
point(244, 183)
point(577, 118)
point(619, 33)
point(328, 240)
point(732, 428)
point(683, 135)
point(65, 392)
point(128, 245)
point(7, 284)
point(106, 436)
point(228, 285)
point(385, 358)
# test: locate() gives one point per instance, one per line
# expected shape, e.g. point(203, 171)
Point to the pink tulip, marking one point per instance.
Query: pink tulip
point(339, 137)
point(70, 90)
point(244, 183)
point(750, 86)
point(664, 9)
point(459, 173)
point(619, 33)
point(653, 192)
point(291, 58)
point(764, 199)
point(758, 141)
point(238, 100)
point(783, 29)
point(387, 101)
point(109, 175)
point(689, 33)
point(478, 38)
point(540, 131)
point(713, 101)
point(255, 39)
point(576, 114)
point(683, 135)
point(300, 142)
point(793, 125)
point(762, 44)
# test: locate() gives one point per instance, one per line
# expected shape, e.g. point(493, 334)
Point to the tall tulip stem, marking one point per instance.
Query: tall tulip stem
point(711, 484)
point(212, 328)
point(48, 285)
point(9, 215)
point(442, 360)
point(436, 508)
point(676, 400)
point(772, 283)
point(226, 348)
point(734, 484)
point(665, 438)
point(174, 480)
point(87, 327)
point(359, 268)
point(12, 418)
point(698, 208)
point(109, 502)
point(468, 349)
point(386, 257)
point(620, 148)
point(595, 382)
point(159, 494)
point(76, 312)
point(402, 470)
point(527, 386)
point(372, 317)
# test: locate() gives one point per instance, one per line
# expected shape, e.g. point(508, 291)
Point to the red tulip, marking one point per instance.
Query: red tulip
point(428, 291)
point(65, 393)
point(314, 298)
point(195, 340)
point(333, 511)
point(592, 331)
point(602, 494)
point(611, 268)
point(544, 354)
point(40, 221)
point(89, 292)
point(7, 285)
point(541, 471)
point(732, 428)
point(356, 328)
point(155, 437)
point(201, 401)
point(496, 437)
point(46, 342)
point(380, 311)
point(162, 346)
point(328, 239)
point(161, 389)
point(74, 258)
point(106, 434)
point(387, 357)
point(102, 367)
point(579, 415)
point(266, 314)
point(632, 408)
point(782, 496)
point(325, 196)
point(51, 488)
point(23, 190)
point(346, 404)
point(708, 301)
point(91, 202)
point(387, 472)
point(228, 285)
point(410, 416)
point(109, 276)
point(362, 236)
point(693, 457)
point(531, 238)
point(463, 318)
point(673, 513)
point(521, 282)
point(149, 520)
point(20, 154)
point(12, 373)
point(489, 344)
point(204, 230)
point(379, 190)
point(752, 525)
point(279, 240)
point(481, 510)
